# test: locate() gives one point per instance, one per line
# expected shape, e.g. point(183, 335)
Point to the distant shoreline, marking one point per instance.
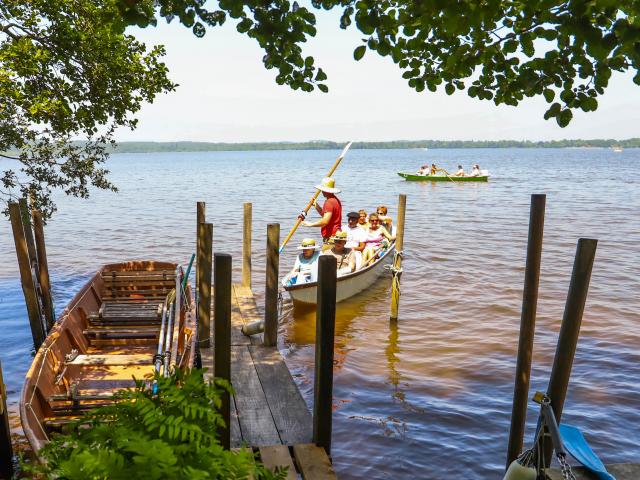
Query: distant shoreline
point(154, 147)
point(159, 147)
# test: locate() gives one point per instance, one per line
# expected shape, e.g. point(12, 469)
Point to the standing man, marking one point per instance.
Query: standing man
point(331, 211)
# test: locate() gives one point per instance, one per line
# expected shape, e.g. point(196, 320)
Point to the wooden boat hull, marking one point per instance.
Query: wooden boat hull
point(412, 177)
point(105, 336)
point(347, 285)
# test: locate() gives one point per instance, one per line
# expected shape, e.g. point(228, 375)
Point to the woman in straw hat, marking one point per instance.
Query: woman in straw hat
point(331, 211)
point(305, 268)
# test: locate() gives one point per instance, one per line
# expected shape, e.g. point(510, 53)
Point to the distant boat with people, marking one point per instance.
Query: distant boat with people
point(434, 173)
point(617, 149)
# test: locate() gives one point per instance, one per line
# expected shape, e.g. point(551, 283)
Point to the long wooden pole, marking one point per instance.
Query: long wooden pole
point(313, 198)
point(43, 269)
point(527, 327)
point(570, 328)
point(271, 286)
point(325, 332)
point(222, 337)
point(246, 246)
point(203, 272)
point(28, 232)
point(28, 285)
point(397, 260)
point(6, 450)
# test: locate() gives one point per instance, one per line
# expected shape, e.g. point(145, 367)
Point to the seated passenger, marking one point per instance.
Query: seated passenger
point(356, 236)
point(433, 170)
point(385, 220)
point(346, 260)
point(362, 221)
point(305, 269)
point(378, 238)
point(460, 172)
point(475, 171)
point(424, 170)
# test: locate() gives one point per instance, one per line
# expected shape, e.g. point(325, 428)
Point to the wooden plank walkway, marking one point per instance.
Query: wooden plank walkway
point(268, 412)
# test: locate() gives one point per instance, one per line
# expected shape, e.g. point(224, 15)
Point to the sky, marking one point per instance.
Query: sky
point(226, 95)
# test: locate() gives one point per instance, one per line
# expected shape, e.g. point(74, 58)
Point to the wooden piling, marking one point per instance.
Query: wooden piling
point(222, 337)
point(246, 246)
point(203, 274)
point(527, 327)
point(6, 450)
point(26, 276)
point(28, 232)
point(200, 218)
point(397, 261)
point(325, 332)
point(271, 286)
point(43, 269)
point(570, 328)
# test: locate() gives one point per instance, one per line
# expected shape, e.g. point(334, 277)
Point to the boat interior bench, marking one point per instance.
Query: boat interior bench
point(137, 285)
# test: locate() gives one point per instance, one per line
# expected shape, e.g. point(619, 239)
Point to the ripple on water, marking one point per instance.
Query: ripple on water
point(428, 397)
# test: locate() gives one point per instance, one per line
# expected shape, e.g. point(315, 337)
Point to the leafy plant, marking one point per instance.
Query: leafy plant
point(170, 434)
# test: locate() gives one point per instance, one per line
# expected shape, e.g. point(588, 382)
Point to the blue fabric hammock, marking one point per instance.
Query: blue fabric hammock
point(578, 448)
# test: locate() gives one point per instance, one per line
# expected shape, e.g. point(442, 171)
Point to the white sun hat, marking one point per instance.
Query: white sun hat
point(328, 185)
point(308, 244)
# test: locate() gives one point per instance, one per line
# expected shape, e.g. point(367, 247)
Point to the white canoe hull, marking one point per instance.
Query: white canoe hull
point(347, 285)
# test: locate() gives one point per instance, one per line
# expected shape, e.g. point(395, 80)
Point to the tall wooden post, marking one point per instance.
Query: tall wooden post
point(325, 332)
point(527, 327)
point(200, 218)
point(397, 260)
point(43, 269)
point(26, 276)
point(222, 337)
point(6, 451)
point(203, 273)
point(570, 328)
point(271, 288)
point(246, 246)
point(28, 233)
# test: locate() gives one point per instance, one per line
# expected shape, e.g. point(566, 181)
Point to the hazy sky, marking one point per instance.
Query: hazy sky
point(226, 95)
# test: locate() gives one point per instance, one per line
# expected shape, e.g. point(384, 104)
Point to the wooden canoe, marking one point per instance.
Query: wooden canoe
point(107, 335)
point(347, 285)
point(412, 177)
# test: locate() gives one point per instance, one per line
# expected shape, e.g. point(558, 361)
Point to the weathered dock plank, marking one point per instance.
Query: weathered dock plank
point(278, 456)
point(288, 408)
point(256, 423)
point(313, 462)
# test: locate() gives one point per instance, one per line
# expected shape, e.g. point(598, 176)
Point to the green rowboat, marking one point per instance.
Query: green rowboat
point(412, 177)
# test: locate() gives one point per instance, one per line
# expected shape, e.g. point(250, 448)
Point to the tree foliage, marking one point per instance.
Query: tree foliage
point(67, 67)
point(67, 71)
point(170, 434)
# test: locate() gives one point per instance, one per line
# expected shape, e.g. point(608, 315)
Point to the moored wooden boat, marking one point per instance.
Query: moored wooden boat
point(347, 285)
point(109, 333)
point(412, 177)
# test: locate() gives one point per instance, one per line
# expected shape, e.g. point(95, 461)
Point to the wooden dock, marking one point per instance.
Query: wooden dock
point(268, 412)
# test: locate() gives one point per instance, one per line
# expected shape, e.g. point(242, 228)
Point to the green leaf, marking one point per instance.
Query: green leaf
point(358, 53)
point(323, 88)
point(564, 117)
point(549, 95)
point(449, 88)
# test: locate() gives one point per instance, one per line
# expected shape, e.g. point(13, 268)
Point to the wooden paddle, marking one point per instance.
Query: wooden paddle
point(447, 174)
point(313, 199)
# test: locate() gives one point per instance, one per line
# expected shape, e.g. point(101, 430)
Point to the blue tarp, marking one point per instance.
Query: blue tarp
point(578, 448)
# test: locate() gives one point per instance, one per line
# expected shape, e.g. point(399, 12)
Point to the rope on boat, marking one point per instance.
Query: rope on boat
point(534, 457)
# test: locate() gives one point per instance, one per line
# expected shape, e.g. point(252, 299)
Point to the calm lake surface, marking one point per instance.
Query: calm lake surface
point(431, 397)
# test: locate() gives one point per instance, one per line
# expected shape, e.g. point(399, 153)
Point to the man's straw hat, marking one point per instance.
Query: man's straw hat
point(328, 185)
point(308, 244)
point(340, 236)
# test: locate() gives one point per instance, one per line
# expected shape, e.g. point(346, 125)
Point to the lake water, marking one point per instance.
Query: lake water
point(431, 397)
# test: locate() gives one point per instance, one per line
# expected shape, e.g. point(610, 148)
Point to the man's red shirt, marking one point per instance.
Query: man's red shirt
point(333, 205)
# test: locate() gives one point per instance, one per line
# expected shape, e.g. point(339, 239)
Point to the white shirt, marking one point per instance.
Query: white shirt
point(355, 236)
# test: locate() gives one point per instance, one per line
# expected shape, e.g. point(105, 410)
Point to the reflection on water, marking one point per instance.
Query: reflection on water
point(430, 396)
